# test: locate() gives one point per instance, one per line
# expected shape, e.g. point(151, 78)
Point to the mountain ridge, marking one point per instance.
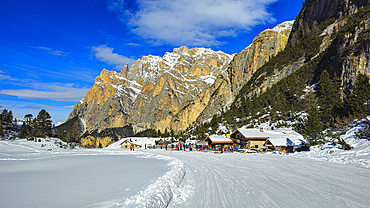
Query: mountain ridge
point(155, 92)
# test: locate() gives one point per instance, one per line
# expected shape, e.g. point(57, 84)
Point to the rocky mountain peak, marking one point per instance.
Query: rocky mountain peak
point(172, 79)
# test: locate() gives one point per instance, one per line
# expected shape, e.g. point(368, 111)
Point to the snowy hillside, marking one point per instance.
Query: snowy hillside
point(358, 156)
point(113, 177)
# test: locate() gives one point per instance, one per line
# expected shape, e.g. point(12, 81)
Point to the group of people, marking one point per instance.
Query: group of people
point(178, 146)
point(201, 147)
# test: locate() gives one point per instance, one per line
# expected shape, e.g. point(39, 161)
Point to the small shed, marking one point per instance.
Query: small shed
point(282, 144)
point(249, 138)
point(218, 140)
point(127, 144)
point(283, 140)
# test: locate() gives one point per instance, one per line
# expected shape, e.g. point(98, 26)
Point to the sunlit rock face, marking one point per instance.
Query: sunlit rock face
point(151, 92)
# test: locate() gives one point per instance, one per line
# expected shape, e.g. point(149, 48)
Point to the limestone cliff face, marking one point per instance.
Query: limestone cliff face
point(108, 102)
point(216, 97)
point(152, 91)
point(349, 51)
point(317, 11)
point(205, 105)
point(346, 41)
point(344, 50)
point(264, 46)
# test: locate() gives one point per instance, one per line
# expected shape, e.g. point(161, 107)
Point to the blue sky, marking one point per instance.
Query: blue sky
point(52, 50)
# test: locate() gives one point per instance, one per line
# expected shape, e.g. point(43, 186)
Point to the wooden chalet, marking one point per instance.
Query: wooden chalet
point(218, 141)
point(283, 140)
point(249, 138)
point(127, 144)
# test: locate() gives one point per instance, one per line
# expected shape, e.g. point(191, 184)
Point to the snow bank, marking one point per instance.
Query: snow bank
point(161, 192)
point(358, 156)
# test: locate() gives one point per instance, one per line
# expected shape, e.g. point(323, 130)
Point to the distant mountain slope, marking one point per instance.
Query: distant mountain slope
point(266, 45)
point(320, 31)
point(176, 91)
point(150, 92)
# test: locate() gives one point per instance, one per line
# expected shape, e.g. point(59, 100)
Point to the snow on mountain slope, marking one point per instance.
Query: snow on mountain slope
point(358, 156)
point(283, 28)
point(120, 98)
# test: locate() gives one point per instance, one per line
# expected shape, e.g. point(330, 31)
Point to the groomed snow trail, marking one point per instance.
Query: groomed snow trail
point(257, 180)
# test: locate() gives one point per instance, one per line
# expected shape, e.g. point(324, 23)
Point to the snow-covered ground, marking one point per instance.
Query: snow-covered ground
point(33, 176)
point(359, 156)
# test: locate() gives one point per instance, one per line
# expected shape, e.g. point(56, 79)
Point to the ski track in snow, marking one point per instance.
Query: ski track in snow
point(239, 180)
point(198, 179)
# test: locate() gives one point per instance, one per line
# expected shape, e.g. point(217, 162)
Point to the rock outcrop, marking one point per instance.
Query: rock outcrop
point(267, 44)
point(152, 91)
point(344, 48)
point(222, 93)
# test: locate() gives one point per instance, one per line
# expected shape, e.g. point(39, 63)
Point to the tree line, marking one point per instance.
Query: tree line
point(40, 126)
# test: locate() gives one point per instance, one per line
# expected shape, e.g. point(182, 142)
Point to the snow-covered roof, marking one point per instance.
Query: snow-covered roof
point(289, 133)
point(278, 137)
point(280, 141)
point(252, 133)
point(219, 139)
point(142, 141)
point(132, 143)
point(284, 137)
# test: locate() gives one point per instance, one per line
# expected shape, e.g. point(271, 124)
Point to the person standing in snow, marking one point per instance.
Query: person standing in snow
point(133, 148)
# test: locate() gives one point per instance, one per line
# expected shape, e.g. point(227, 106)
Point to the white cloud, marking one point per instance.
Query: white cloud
point(192, 22)
point(105, 54)
point(133, 44)
point(57, 93)
point(40, 106)
point(6, 77)
point(49, 50)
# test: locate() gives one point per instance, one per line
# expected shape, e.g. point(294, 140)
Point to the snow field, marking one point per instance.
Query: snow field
point(162, 191)
point(268, 180)
point(327, 176)
point(31, 176)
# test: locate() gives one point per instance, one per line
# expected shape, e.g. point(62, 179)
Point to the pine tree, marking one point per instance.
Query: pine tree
point(4, 117)
point(28, 118)
point(9, 118)
point(328, 99)
point(1, 129)
point(364, 134)
point(359, 101)
point(25, 131)
point(42, 124)
point(313, 127)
